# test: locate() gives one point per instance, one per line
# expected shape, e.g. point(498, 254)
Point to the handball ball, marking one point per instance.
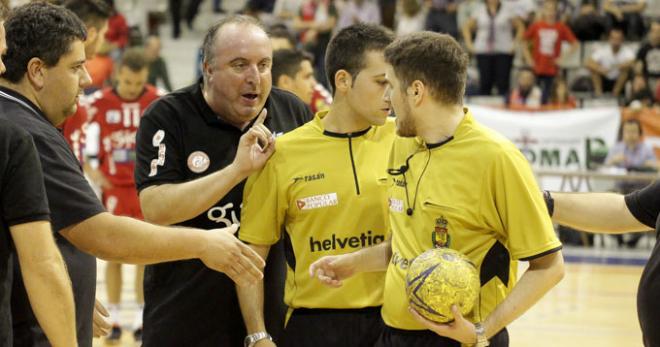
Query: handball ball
point(438, 279)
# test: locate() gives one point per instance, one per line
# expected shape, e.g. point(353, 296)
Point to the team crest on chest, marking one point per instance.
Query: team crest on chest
point(440, 235)
point(198, 162)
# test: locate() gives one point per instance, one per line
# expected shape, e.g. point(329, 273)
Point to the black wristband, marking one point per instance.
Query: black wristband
point(549, 202)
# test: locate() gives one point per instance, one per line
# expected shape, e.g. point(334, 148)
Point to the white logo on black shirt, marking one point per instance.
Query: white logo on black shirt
point(156, 141)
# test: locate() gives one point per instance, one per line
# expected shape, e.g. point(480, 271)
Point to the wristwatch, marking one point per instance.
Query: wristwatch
point(252, 339)
point(482, 341)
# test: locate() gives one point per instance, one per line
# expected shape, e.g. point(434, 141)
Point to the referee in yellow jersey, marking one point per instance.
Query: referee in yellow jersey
point(454, 183)
point(324, 191)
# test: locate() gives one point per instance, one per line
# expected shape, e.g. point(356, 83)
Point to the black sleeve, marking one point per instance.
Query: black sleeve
point(645, 204)
point(305, 112)
point(70, 197)
point(157, 147)
point(22, 191)
point(641, 53)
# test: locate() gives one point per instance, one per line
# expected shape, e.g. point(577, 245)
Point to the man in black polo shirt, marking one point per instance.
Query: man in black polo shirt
point(45, 74)
point(186, 145)
point(25, 222)
point(616, 214)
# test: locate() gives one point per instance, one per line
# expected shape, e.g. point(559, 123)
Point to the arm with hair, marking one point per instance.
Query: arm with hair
point(46, 281)
point(595, 212)
point(251, 301)
point(127, 240)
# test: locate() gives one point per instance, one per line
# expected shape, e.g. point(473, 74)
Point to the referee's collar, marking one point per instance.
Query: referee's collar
point(318, 120)
point(463, 127)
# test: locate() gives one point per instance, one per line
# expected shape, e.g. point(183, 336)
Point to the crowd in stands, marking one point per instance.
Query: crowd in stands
point(529, 55)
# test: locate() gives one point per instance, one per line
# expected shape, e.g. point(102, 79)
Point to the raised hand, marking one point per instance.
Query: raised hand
point(255, 147)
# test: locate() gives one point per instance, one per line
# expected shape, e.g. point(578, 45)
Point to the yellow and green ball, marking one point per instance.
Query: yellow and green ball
point(440, 278)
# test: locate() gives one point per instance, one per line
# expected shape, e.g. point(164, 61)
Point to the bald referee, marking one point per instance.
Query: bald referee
point(454, 183)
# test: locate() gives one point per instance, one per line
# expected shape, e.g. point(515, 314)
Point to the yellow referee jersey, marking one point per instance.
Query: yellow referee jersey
point(323, 188)
point(474, 193)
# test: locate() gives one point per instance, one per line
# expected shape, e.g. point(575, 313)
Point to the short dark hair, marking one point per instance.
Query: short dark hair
point(287, 62)
point(134, 59)
point(91, 12)
point(209, 39)
point(281, 31)
point(348, 48)
point(436, 60)
point(39, 30)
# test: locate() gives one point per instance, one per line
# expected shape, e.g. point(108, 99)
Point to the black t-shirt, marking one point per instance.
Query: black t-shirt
point(22, 200)
point(645, 206)
point(649, 55)
point(71, 200)
point(181, 139)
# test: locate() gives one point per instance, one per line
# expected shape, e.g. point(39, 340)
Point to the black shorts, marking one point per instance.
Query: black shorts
point(333, 327)
point(392, 337)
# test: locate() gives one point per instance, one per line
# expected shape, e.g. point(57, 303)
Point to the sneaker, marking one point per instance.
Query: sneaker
point(115, 335)
point(137, 334)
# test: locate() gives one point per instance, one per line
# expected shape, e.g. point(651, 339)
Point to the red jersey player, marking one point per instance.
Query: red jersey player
point(114, 115)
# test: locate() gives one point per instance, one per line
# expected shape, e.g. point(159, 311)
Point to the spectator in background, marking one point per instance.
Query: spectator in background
point(526, 95)
point(286, 10)
point(191, 12)
point(118, 32)
point(157, 66)
point(494, 44)
point(525, 9)
point(315, 22)
point(442, 18)
point(631, 152)
point(411, 17)
point(626, 14)
point(589, 24)
point(545, 37)
point(609, 65)
point(466, 11)
point(358, 11)
point(281, 38)
point(648, 56)
point(387, 12)
point(560, 99)
point(640, 91)
point(292, 71)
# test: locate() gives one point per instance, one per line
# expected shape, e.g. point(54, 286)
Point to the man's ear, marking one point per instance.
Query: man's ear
point(284, 82)
point(343, 80)
point(418, 91)
point(36, 70)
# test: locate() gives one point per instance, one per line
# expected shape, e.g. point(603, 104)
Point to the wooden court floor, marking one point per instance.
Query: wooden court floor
point(594, 305)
